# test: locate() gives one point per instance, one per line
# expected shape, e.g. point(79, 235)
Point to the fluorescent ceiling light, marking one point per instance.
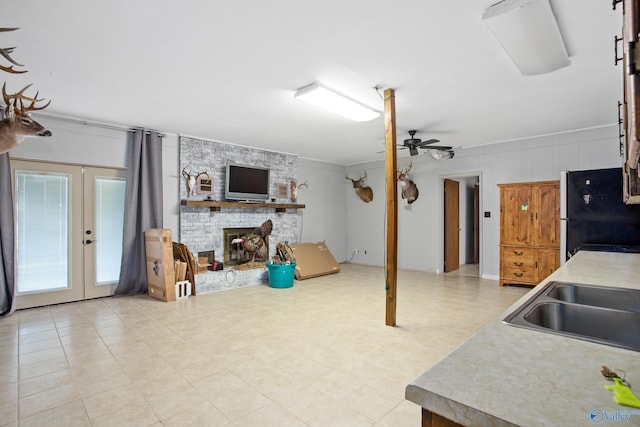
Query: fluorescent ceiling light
point(328, 100)
point(529, 33)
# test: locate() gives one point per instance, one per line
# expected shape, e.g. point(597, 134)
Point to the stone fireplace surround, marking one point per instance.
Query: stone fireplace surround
point(202, 230)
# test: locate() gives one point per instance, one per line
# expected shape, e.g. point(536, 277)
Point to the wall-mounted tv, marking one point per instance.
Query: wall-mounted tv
point(250, 183)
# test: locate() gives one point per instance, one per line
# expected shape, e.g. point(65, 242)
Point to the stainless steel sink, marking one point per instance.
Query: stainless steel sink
point(599, 314)
point(598, 296)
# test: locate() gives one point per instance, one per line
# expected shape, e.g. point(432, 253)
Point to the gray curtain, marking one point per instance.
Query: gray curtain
point(143, 207)
point(7, 245)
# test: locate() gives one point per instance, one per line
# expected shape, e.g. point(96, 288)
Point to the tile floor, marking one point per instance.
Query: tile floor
point(316, 354)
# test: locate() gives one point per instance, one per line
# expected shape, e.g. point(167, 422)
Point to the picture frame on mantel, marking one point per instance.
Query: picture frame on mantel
point(282, 191)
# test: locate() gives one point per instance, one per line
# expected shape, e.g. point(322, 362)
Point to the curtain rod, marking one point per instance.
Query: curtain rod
point(91, 123)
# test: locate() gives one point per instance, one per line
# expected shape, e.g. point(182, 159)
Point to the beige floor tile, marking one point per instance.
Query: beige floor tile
point(404, 414)
point(271, 415)
point(68, 415)
point(42, 355)
point(26, 371)
point(306, 402)
point(234, 397)
point(46, 382)
point(136, 414)
point(52, 398)
point(34, 346)
point(111, 401)
point(205, 415)
point(317, 354)
point(340, 415)
point(8, 393)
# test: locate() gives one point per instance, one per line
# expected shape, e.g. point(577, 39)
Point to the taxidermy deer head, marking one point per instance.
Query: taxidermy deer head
point(295, 188)
point(5, 53)
point(191, 180)
point(17, 123)
point(365, 193)
point(409, 189)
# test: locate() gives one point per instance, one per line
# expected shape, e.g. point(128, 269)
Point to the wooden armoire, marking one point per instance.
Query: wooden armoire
point(529, 231)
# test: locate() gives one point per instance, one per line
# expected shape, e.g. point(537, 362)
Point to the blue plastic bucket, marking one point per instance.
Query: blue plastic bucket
point(281, 275)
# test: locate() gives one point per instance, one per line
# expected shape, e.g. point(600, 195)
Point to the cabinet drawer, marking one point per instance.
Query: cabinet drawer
point(524, 256)
point(518, 273)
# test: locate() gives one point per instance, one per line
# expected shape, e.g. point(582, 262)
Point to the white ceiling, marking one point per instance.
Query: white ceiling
point(227, 71)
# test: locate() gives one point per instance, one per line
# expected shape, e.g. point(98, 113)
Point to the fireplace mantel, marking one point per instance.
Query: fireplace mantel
point(215, 205)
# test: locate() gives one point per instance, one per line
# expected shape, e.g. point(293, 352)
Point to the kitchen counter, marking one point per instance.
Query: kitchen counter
point(505, 375)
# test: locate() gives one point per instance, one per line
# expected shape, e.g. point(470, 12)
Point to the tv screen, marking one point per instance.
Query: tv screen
point(249, 183)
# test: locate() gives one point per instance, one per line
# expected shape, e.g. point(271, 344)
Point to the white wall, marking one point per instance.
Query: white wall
point(420, 236)
point(325, 215)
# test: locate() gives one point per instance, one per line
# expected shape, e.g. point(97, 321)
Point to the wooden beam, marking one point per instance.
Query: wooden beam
point(392, 205)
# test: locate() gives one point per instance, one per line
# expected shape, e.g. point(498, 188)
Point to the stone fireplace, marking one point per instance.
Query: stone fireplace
point(202, 229)
point(234, 253)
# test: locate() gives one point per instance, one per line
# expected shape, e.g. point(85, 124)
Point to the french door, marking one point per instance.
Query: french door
point(69, 231)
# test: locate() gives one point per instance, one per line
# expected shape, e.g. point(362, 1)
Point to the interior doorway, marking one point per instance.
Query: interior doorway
point(461, 225)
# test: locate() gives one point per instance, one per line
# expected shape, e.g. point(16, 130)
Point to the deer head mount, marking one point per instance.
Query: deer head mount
point(191, 180)
point(365, 193)
point(295, 188)
point(409, 189)
point(5, 52)
point(17, 123)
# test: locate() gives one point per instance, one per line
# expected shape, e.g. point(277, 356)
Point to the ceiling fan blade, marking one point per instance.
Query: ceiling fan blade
point(427, 142)
point(436, 147)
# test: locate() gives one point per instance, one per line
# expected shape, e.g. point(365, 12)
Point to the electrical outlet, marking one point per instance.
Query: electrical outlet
point(356, 250)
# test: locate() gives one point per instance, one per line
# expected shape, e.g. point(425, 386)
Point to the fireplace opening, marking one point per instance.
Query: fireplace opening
point(235, 253)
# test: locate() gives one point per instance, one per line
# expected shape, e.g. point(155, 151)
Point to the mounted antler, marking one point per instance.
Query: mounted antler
point(365, 193)
point(295, 188)
point(192, 180)
point(5, 53)
point(18, 123)
point(409, 189)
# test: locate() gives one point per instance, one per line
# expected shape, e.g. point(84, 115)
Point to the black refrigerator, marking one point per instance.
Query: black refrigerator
point(596, 218)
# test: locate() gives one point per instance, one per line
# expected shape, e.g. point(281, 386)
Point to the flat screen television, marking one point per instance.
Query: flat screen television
point(246, 183)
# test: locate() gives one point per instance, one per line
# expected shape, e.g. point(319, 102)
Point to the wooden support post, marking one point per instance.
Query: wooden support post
point(392, 205)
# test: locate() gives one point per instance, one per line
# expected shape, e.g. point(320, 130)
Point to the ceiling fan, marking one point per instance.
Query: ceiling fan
point(414, 143)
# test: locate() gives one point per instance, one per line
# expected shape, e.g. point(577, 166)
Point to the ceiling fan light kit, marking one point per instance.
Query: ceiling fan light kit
point(441, 154)
point(529, 33)
point(329, 100)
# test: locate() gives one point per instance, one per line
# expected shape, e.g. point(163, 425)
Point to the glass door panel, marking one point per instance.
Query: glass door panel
point(48, 241)
point(103, 229)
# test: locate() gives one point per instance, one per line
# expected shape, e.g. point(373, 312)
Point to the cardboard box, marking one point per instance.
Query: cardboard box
point(313, 260)
point(161, 278)
point(202, 265)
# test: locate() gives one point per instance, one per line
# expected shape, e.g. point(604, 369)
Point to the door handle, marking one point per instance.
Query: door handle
point(518, 264)
point(88, 241)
